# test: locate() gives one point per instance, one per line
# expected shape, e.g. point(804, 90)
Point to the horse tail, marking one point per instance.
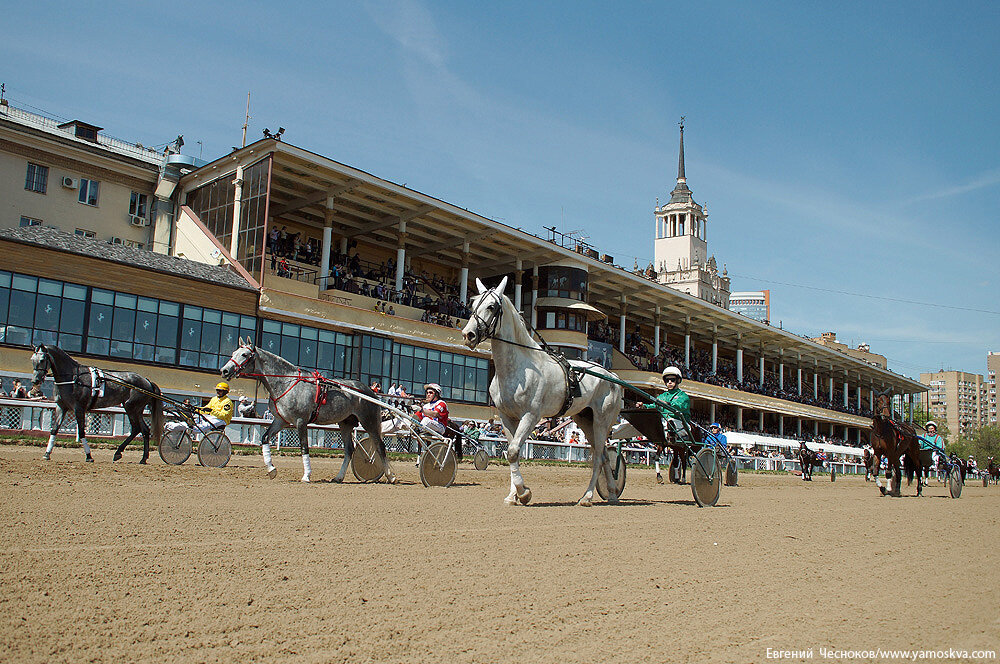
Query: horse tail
point(909, 467)
point(157, 409)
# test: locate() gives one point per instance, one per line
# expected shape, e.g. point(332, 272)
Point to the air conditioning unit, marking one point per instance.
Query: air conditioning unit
point(116, 240)
point(136, 220)
point(70, 183)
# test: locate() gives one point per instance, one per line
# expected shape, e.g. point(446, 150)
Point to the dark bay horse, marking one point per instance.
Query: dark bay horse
point(300, 398)
point(81, 388)
point(994, 470)
point(871, 471)
point(808, 459)
point(893, 440)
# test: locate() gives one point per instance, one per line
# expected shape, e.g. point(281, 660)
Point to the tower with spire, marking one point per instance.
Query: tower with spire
point(680, 249)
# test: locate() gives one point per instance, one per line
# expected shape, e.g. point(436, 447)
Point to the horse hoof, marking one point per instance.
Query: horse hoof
point(392, 480)
point(510, 500)
point(882, 489)
point(305, 478)
point(272, 473)
point(118, 457)
point(142, 462)
point(525, 497)
point(89, 459)
point(46, 456)
point(337, 480)
point(659, 478)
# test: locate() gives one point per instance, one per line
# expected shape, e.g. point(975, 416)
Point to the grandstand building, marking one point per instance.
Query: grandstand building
point(344, 272)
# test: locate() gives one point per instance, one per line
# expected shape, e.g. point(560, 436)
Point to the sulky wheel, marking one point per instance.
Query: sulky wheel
point(214, 449)
point(732, 473)
point(175, 446)
point(366, 463)
point(617, 474)
point(955, 482)
point(481, 460)
point(706, 478)
point(438, 465)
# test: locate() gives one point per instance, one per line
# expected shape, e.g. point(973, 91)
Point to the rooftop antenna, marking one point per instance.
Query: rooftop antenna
point(246, 123)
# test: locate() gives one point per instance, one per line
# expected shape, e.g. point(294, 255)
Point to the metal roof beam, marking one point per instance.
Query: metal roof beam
point(315, 197)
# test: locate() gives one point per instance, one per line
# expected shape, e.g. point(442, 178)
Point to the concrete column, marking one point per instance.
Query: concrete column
point(815, 384)
point(859, 393)
point(798, 427)
point(401, 255)
point(815, 427)
point(830, 390)
point(234, 241)
point(760, 421)
point(715, 353)
point(343, 246)
point(518, 278)
point(761, 371)
point(739, 418)
point(711, 415)
point(781, 424)
point(463, 279)
point(621, 326)
point(739, 364)
point(846, 395)
point(687, 349)
point(831, 429)
point(871, 398)
point(534, 297)
point(781, 372)
point(799, 381)
point(324, 256)
point(656, 331)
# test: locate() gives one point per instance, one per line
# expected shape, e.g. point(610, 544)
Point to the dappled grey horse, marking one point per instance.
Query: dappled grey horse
point(81, 388)
point(531, 384)
point(300, 398)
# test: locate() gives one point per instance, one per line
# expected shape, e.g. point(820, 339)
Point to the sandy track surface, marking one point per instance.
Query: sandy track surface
point(122, 562)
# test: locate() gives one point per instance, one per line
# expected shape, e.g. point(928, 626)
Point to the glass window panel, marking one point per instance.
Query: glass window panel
point(71, 342)
point(230, 320)
point(50, 287)
point(145, 329)
point(209, 361)
point(143, 352)
point(99, 296)
point(229, 340)
point(74, 292)
point(192, 313)
point(327, 336)
point(121, 349)
point(4, 301)
point(212, 316)
point(419, 371)
point(98, 346)
point(290, 329)
point(166, 355)
point(210, 337)
point(446, 373)
point(123, 327)
point(290, 348)
point(44, 337)
point(470, 379)
point(170, 308)
point(22, 308)
point(434, 355)
point(420, 352)
point(307, 353)
point(309, 333)
point(4, 279)
point(47, 312)
point(125, 300)
point(100, 321)
point(25, 283)
point(189, 358)
point(147, 304)
point(190, 334)
point(248, 322)
point(271, 342)
point(166, 330)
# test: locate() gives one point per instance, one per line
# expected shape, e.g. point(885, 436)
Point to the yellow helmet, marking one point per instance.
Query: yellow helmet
point(223, 386)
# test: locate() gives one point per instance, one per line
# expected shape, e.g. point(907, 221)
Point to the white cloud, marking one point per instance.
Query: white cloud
point(982, 181)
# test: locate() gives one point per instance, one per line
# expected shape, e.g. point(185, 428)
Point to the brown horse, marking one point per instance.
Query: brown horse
point(808, 459)
point(893, 440)
point(871, 470)
point(994, 471)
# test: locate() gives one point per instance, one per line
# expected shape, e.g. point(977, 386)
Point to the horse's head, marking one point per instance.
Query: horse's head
point(487, 310)
point(244, 358)
point(41, 364)
point(883, 404)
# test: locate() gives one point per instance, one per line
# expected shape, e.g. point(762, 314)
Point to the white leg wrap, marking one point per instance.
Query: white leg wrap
point(86, 447)
point(265, 449)
point(657, 467)
point(306, 465)
point(52, 444)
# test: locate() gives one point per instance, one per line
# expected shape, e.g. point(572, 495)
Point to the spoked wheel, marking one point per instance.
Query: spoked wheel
point(617, 463)
point(438, 465)
point(214, 449)
point(732, 473)
point(175, 446)
point(481, 460)
point(366, 464)
point(955, 482)
point(706, 478)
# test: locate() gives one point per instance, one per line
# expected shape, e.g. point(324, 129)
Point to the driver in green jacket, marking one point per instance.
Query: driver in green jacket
point(673, 404)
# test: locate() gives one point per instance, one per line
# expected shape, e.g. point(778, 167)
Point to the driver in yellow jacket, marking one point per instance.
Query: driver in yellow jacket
point(216, 414)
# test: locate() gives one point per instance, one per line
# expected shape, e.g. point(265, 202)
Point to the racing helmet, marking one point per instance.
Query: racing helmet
point(224, 386)
point(435, 387)
point(930, 423)
point(673, 371)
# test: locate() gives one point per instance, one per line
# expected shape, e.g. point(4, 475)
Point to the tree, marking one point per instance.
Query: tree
point(982, 444)
point(921, 418)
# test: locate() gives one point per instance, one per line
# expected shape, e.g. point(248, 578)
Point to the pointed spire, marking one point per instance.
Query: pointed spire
point(680, 157)
point(681, 193)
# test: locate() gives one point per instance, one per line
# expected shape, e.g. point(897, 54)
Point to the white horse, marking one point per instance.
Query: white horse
point(530, 384)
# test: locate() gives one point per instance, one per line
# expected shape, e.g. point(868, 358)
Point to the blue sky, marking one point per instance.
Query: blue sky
point(848, 147)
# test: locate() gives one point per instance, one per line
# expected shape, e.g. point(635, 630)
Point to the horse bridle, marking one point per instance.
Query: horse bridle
point(488, 329)
point(251, 355)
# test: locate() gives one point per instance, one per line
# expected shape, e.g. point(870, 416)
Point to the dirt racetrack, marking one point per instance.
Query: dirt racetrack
point(127, 563)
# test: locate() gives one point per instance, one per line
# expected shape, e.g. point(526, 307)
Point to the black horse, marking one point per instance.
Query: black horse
point(81, 388)
point(808, 459)
point(994, 471)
